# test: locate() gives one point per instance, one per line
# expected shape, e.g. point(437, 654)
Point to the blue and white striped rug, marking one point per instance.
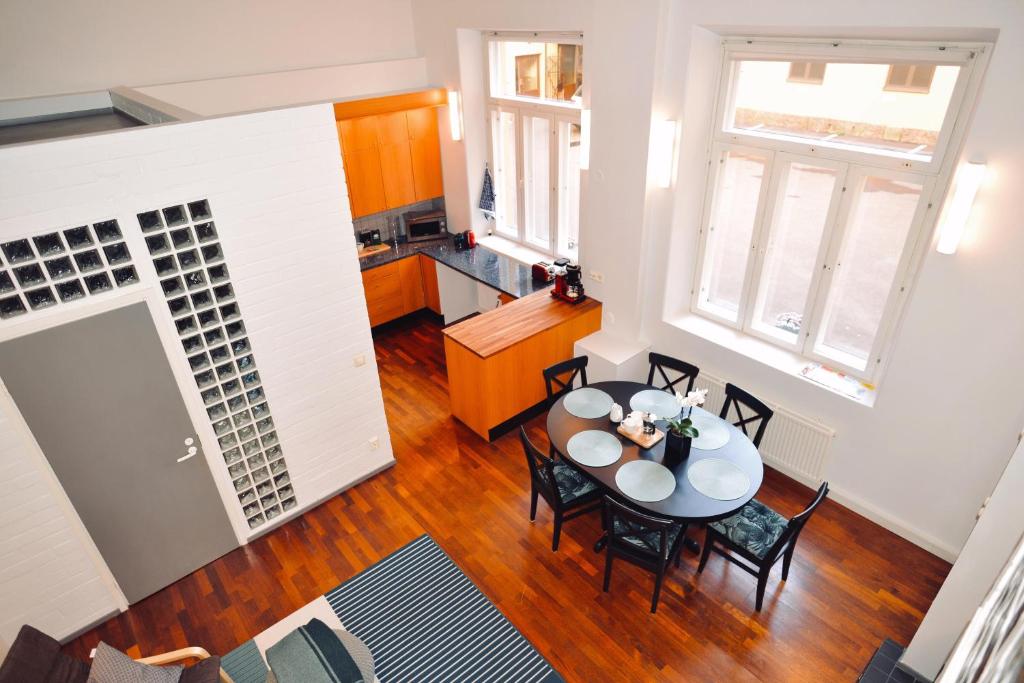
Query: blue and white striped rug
point(423, 620)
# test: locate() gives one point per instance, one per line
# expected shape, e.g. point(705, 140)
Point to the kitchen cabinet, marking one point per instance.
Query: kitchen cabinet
point(362, 165)
point(428, 276)
point(412, 283)
point(399, 288)
point(396, 159)
point(425, 151)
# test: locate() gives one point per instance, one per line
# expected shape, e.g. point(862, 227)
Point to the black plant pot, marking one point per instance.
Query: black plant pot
point(677, 449)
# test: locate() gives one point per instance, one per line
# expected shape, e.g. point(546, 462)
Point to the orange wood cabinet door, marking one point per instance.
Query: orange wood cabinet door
point(412, 284)
point(395, 159)
point(426, 153)
point(362, 165)
point(428, 273)
point(382, 287)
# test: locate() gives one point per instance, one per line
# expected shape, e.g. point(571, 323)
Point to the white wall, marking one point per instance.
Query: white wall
point(61, 46)
point(276, 187)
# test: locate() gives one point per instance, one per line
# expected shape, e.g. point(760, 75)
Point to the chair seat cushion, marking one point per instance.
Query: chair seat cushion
point(755, 528)
point(35, 656)
point(646, 540)
point(571, 484)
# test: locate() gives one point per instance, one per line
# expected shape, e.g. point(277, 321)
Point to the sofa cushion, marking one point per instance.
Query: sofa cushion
point(35, 656)
point(206, 671)
point(113, 666)
point(312, 654)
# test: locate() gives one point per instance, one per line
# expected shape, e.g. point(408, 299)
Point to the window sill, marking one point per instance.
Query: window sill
point(514, 250)
point(772, 356)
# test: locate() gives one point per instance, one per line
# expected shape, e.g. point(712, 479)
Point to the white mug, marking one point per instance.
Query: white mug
point(633, 422)
point(616, 413)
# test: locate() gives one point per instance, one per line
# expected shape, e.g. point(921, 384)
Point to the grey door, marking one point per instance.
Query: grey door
point(101, 401)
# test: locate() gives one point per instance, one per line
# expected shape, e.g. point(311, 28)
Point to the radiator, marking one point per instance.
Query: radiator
point(793, 444)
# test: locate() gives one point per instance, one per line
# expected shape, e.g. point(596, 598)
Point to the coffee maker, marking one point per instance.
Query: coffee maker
point(568, 282)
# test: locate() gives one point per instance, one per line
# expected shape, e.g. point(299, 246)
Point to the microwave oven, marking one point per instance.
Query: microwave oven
point(425, 225)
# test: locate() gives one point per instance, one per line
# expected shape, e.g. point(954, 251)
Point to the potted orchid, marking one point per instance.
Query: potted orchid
point(681, 431)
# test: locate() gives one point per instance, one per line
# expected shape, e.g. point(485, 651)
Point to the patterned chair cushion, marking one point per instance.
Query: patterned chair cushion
point(647, 540)
point(755, 528)
point(571, 483)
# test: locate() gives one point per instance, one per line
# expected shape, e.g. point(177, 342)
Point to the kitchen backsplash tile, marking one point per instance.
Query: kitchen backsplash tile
point(388, 221)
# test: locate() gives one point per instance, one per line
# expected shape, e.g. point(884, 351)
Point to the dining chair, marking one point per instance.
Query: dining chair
point(568, 492)
point(760, 536)
point(660, 363)
point(556, 386)
point(643, 540)
point(756, 419)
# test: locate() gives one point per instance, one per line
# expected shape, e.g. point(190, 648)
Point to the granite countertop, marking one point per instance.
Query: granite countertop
point(480, 263)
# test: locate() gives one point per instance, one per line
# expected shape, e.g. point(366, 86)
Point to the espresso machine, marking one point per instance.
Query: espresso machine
point(568, 282)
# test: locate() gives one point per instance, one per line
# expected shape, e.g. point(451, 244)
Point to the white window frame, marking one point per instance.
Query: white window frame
point(522, 107)
point(932, 173)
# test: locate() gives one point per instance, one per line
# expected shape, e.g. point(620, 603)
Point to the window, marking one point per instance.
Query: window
point(535, 87)
point(817, 198)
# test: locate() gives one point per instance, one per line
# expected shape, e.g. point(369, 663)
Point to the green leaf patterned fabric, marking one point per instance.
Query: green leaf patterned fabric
point(756, 527)
point(571, 483)
point(643, 538)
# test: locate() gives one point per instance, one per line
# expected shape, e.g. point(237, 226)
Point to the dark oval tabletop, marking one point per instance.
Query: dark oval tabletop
point(685, 503)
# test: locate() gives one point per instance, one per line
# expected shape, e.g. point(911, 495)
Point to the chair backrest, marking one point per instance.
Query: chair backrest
point(542, 470)
point(660, 363)
point(796, 524)
point(614, 510)
point(574, 367)
point(751, 413)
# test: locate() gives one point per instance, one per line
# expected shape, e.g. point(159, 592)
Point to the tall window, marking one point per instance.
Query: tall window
point(535, 86)
point(818, 197)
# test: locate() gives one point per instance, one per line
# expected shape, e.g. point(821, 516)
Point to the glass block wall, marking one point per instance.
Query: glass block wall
point(189, 261)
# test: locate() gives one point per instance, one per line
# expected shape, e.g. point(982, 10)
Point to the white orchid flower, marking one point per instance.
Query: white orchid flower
point(696, 397)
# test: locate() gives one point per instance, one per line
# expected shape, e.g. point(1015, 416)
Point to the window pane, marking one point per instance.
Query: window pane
point(737, 193)
point(503, 152)
point(547, 71)
point(536, 179)
point(568, 188)
point(873, 244)
point(792, 251)
point(854, 104)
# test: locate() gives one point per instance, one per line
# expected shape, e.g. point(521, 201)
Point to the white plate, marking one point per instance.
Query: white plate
point(719, 479)
point(661, 403)
point(713, 431)
point(594, 448)
point(587, 403)
point(645, 480)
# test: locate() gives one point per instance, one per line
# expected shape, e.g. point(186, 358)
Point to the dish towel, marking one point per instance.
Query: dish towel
point(487, 194)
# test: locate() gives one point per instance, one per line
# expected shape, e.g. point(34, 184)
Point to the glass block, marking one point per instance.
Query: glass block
point(264, 488)
point(256, 460)
point(107, 231)
point(199, 361)
point(246, 363)
point(211, 396)
point(250, 379)
point(187, 325)
point(242, 483)
point(150, 220)
point(237, 470)
point(282, 479)
point(212, 253)
point(88, 260)
point(273, 452)
point(262, 474)
point(217, 412)
point(192, 344)
point(172, 286)
point(165, 265)
point(242, 418)
point(206, 232)
point(256, 521)
point(260, 410)
point(232, 386)
point(175, 215)
point(30, 275)
point(179, 306)
point(236, 403)
point(70, 290)
point(199, 210)
point(273, 512)
point(98, 283)
point(182, 238)
point(41, 298)
point(227, 441)
point(214, 336)
point(224, 293)
point(251, 447)
point(225, 370)
point(49, 244)
point(265, 424)
point(117, 254)
point(247, 496)
point(60, 268)
point(195, 279)
point(284, 492)
point(251, 509)
point(268, 500)
point(125, 276)
point(17, 251)
point(288, 504)
point(269, 439)
point(188, 259)
point(247, 432)
point(277, 466)
point(11, 306)
point(78, 237)
point(255, 395)
point(235, 329)
point(220, 354)
point(233, 455)
point(208, 317)
point(218, 273)
point(230, 312)
point(157, 244)
point(205, 379)
point(222, 427)
point(6, 283)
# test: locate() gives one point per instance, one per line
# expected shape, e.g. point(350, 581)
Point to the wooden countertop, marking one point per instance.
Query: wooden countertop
point(494, 331)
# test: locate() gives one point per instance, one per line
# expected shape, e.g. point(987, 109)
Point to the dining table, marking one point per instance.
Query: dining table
point(685, 503)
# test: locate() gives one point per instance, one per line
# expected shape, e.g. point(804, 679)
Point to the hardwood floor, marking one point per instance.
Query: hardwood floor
point(852, 583)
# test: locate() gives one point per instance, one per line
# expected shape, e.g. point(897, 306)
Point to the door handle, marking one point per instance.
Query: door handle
point(191, 454)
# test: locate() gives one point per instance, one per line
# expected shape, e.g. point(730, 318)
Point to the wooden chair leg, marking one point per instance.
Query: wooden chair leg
point(657, 588)
point(762, 583)
point(786, 559)
point(607, 569)
point(705, 552)
point(533, 502)
point(558, 532)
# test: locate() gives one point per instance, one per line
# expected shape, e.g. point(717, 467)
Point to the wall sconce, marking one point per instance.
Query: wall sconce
point(584, 139)
point(663, 151)
point(455, 114)
point(953, 222)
